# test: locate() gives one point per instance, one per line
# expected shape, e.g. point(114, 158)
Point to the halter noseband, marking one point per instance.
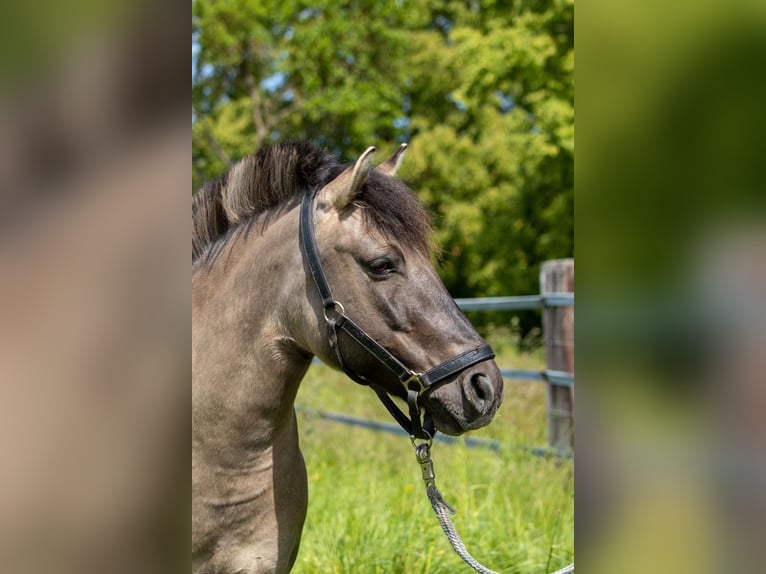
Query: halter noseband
point(335, 316)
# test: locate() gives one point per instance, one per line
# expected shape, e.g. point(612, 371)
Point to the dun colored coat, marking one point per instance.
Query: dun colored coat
point(257, 322)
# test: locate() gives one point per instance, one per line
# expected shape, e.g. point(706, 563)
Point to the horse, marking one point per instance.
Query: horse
point(296, 256)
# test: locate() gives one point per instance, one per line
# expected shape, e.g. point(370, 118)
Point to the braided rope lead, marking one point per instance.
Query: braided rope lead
point(444, 510)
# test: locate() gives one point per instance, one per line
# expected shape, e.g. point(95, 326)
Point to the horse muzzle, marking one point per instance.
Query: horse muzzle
point(468, 402)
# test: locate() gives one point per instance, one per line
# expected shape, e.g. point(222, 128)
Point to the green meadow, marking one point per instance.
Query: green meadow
point(368, 512)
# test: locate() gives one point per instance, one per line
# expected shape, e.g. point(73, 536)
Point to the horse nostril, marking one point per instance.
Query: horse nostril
point(482, 388)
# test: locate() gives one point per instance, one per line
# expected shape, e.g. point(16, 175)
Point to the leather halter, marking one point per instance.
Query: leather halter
point(335, 316)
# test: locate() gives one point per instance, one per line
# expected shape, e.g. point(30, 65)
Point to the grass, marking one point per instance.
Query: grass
point(368, 512)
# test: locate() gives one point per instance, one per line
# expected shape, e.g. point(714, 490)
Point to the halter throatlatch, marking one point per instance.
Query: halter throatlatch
point(337, 320)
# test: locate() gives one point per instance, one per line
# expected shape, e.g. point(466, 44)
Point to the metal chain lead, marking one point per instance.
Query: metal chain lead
point(443, 511)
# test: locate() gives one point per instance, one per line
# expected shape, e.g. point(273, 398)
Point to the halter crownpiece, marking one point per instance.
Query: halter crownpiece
point(336, 319)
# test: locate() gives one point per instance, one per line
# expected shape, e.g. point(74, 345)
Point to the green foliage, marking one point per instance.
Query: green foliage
point(483, 92)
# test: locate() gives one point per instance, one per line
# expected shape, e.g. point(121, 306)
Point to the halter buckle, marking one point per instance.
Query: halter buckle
point(415, 383)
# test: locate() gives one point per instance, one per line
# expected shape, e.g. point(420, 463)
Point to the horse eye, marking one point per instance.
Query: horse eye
point(381, 267)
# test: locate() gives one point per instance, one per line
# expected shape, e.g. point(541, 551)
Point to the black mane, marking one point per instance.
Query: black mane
point(278, 176)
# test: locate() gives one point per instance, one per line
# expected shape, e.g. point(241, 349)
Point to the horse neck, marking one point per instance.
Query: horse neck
point(246, 365)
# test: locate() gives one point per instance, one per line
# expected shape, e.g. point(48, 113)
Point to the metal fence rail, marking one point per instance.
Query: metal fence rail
point(558, 378)
point(517, 303)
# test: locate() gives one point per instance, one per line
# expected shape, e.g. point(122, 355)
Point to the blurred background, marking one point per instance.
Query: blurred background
point(94, 297)
point(94, 287)
point(671, 251)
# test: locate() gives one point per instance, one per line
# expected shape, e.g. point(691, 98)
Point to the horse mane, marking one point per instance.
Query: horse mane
point(279, 175)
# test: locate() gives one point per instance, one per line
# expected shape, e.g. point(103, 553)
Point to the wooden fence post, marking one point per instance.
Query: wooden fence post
point(557, 276)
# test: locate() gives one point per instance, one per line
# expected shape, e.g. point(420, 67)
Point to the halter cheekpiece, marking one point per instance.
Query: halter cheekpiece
point(336, 319)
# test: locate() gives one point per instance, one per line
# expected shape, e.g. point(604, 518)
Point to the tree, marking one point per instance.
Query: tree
point(271, 70)
point(483, 92)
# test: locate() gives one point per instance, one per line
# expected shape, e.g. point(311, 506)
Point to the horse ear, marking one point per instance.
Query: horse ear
point(343, 189)
point(391, 165)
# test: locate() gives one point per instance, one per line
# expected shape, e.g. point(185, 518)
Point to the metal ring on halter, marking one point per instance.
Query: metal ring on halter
point(415, 383)
point(429, 441)
point(336, 306)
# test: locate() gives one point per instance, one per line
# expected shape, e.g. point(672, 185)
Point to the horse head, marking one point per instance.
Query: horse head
point(373, 248)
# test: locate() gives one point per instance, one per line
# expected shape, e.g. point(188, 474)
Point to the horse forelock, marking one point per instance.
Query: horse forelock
point(279, 175)
point(393, 209)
